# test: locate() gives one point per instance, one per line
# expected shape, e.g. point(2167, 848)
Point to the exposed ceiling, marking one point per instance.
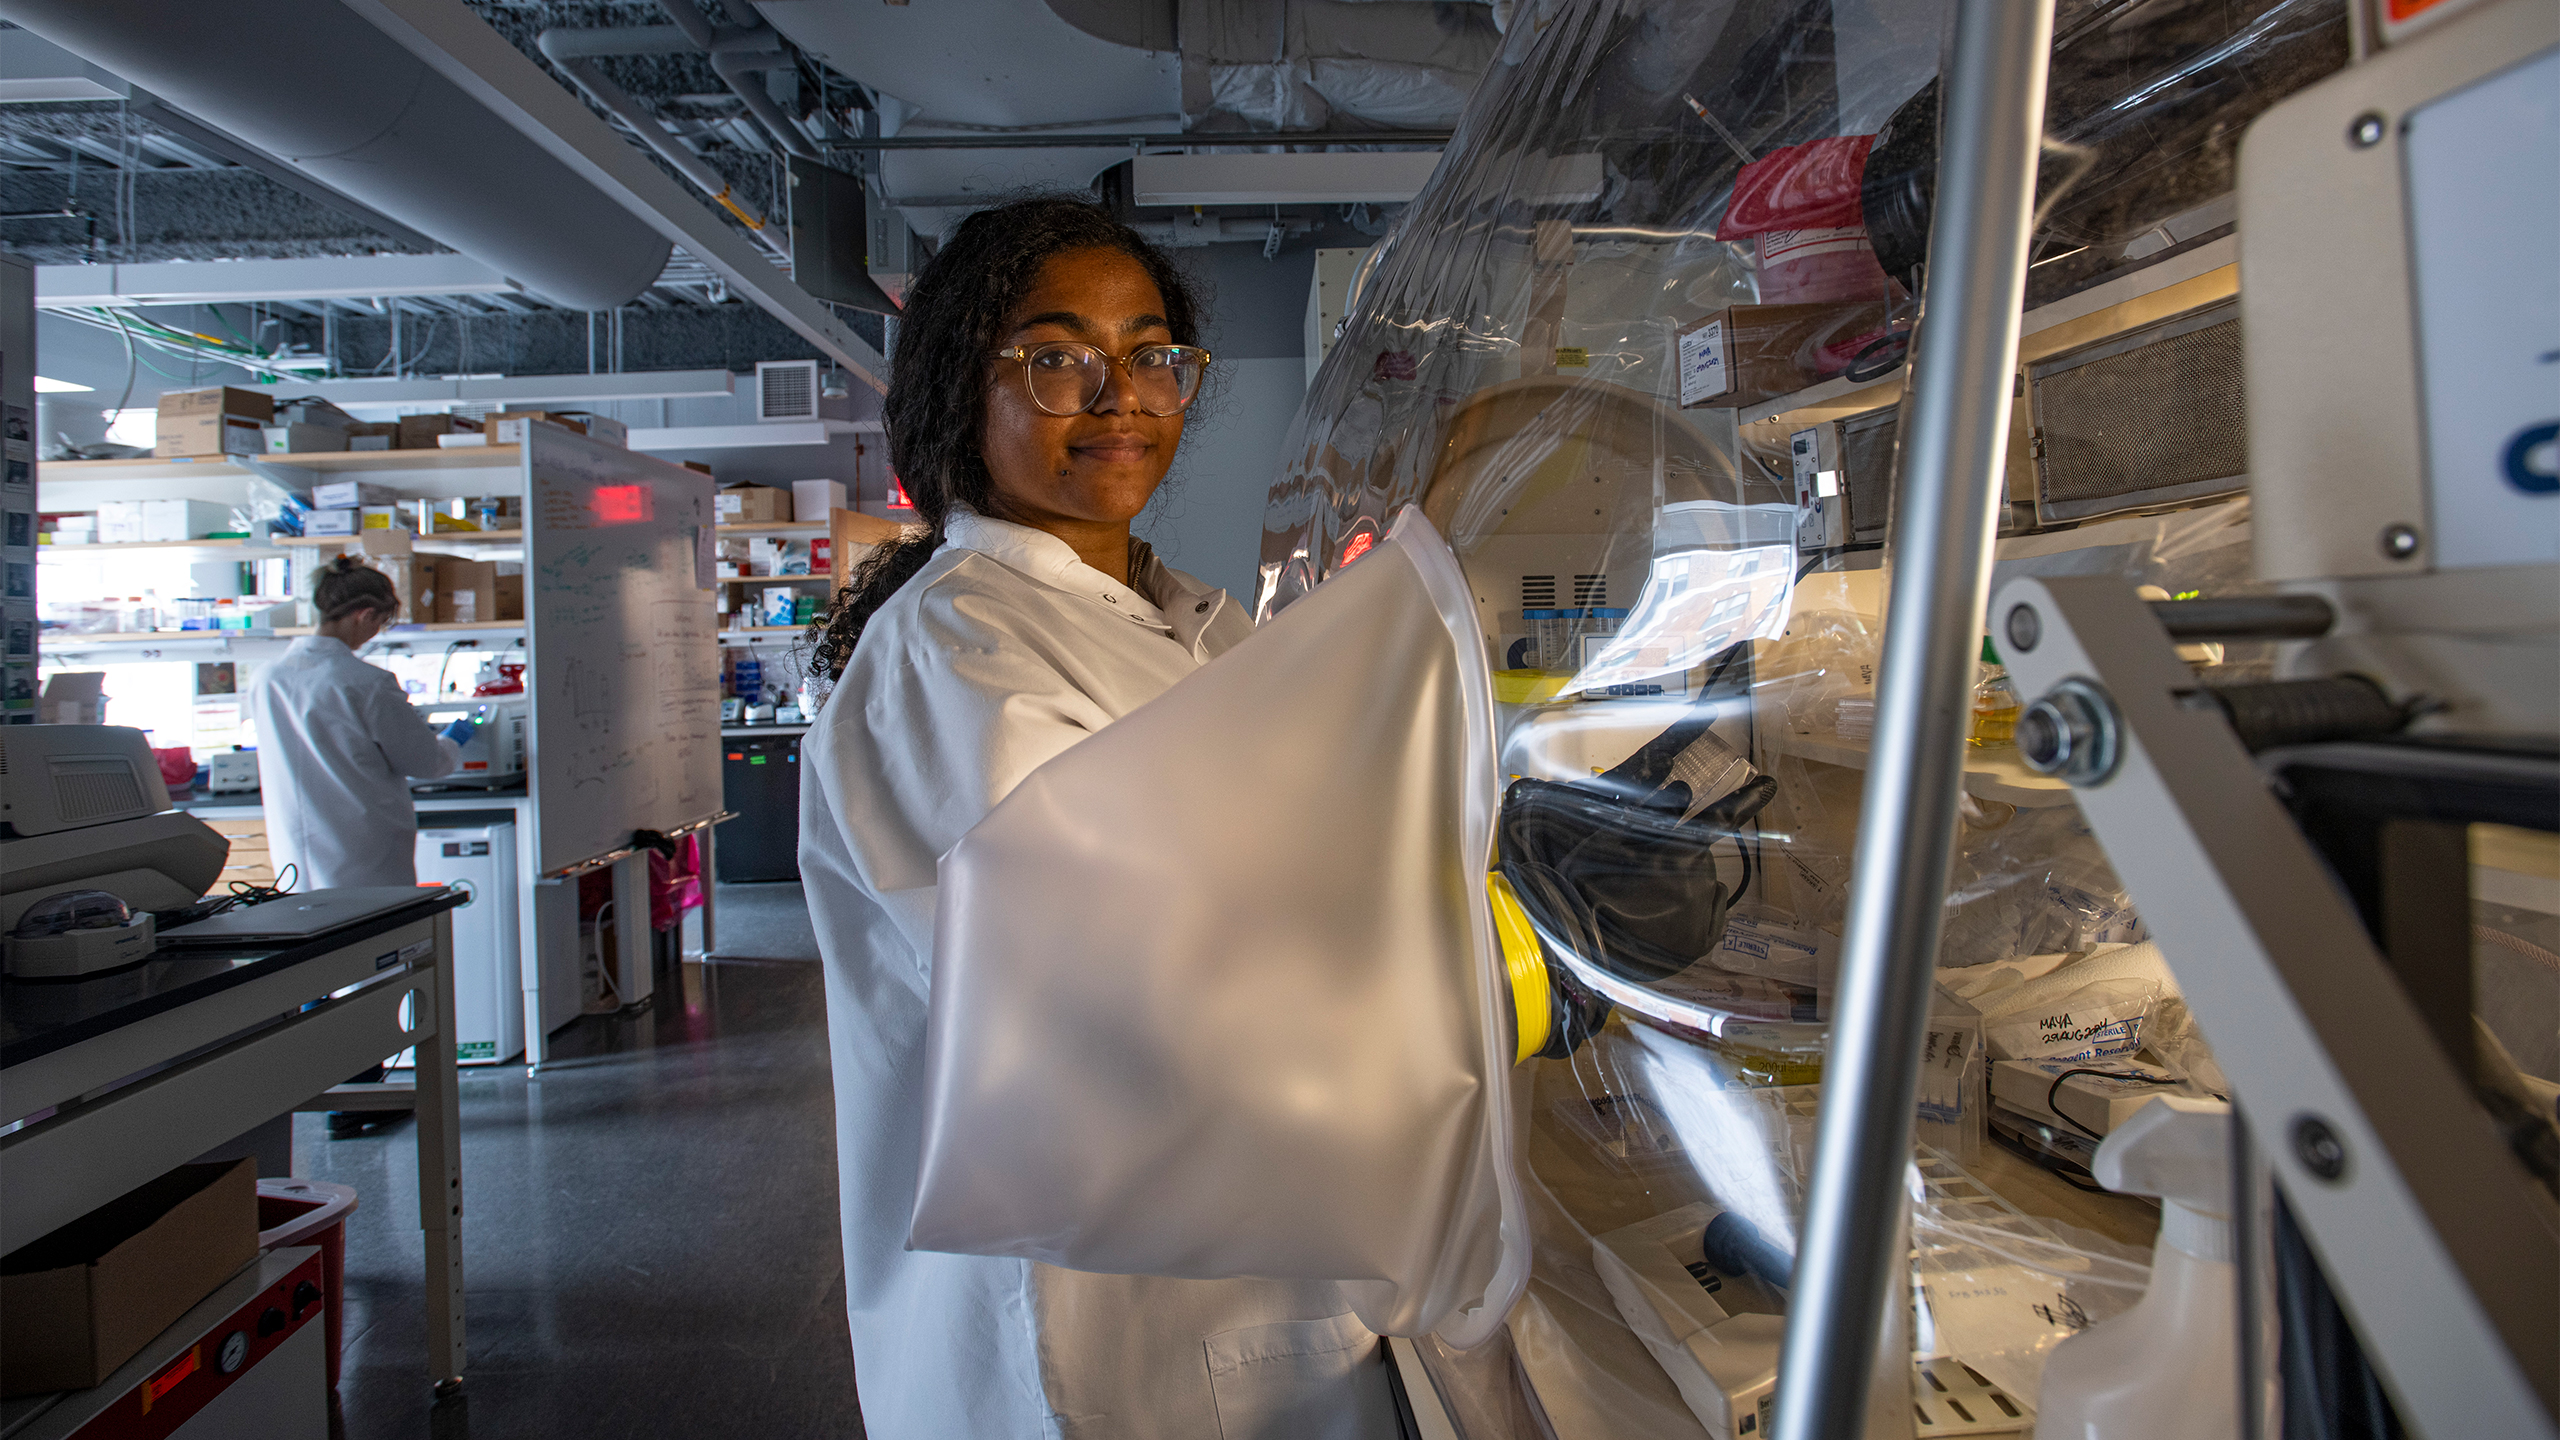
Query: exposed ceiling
point(130, 180)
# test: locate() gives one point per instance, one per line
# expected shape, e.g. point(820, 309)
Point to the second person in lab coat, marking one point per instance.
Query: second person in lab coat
point(339, 742)
point(1045, 360)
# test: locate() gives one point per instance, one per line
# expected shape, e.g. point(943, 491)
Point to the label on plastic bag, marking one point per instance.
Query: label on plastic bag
point(1754, 946)
point(2098, 1020)
point(1703, 374)
point(2000, 1319)
point(1942, 1063)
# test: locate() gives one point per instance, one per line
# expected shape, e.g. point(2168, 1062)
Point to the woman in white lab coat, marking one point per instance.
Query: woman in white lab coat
point(1044, 361)
point(339, 742)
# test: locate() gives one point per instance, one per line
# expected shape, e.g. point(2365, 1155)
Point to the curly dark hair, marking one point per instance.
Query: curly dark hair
point(936, 409)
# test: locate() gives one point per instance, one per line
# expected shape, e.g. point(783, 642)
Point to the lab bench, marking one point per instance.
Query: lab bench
point(117, 1078)
point(547, 932)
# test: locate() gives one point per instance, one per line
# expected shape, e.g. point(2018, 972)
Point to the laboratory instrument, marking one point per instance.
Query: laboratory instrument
point(494, 752)
point(86, 811)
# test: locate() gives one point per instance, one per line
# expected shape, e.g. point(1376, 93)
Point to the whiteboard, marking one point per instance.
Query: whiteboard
point(625, 654)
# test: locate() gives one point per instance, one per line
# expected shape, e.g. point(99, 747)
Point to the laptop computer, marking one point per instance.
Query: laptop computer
point(292, 918)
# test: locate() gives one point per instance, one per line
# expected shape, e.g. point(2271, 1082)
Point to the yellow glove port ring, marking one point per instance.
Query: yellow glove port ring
point(1531, 1012)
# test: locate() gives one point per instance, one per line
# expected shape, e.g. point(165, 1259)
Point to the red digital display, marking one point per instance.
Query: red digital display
point(621, 504)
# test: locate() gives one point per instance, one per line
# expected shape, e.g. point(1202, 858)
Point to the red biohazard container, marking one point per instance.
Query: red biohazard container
point(312, 1212)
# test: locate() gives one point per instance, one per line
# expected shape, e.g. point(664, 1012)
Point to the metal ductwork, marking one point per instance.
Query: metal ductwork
point(316, 85)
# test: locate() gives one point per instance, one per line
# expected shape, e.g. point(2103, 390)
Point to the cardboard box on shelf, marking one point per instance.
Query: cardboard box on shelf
point(413, 577)
point(380, 517)
point(72, 697)
point(77, 1303)
point(419, 432)
point(119, 522)
point(251, 405)
point(302, 439)
point(466, 591)
point(195, 436)
point(1750, 353)
point(336, 520)
point(312, 410)
point(182, 519)
point(340, 494)
point(752, 505)
point(507, 426)
point(813, 500)
point(599, 427)
point(510, 597)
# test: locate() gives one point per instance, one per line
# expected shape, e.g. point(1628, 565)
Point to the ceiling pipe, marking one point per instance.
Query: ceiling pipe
point(451, 39)
point(366, 118)
point(574, 52)
point(738, 54)
point(617, 40)
point(145, 106)
point(738, 68)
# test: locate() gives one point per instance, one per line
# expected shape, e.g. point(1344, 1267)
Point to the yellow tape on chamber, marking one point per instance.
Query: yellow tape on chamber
point(1527, 964)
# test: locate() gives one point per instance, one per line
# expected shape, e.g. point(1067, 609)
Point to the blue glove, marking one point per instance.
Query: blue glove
point(461, 731)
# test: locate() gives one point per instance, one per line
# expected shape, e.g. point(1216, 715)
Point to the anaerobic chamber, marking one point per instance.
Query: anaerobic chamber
point(2190, 1032)
point(1641, 353)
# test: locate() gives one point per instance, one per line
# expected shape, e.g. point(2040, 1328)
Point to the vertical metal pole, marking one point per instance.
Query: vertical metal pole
point(1955, 437)
point(440, 1171)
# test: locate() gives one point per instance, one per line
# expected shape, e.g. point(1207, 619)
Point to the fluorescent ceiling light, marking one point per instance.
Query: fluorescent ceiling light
point(45, 386)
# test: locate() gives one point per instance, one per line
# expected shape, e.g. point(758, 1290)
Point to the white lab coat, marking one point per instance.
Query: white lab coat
point(338, 743)
point(1003, 651)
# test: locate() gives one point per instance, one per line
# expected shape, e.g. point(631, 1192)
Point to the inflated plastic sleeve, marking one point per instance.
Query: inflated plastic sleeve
point(1216, 992)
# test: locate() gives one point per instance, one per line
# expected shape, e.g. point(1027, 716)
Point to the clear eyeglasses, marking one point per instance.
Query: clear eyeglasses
point(1065, 377)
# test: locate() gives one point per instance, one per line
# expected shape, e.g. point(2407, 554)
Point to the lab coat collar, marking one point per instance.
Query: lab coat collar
point(1190, 606)
point(327, 647)
point(1052, 561)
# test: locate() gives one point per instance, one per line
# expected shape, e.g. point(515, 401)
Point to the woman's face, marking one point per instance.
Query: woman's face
point(1099, 466)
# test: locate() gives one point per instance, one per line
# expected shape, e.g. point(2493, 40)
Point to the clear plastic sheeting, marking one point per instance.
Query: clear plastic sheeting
point(1272, 1042)
point(1638, 352)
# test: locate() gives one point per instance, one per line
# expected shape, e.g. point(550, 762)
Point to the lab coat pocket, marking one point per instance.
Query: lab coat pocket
point(1301, 1380)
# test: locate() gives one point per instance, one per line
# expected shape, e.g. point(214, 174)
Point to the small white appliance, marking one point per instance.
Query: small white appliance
point(230, 772)
point(488, 983)
point(495, 754)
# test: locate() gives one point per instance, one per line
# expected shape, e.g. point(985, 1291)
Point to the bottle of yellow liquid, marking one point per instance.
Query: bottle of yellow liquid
point(1995, 701)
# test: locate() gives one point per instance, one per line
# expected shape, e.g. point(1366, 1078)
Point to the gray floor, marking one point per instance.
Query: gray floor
point(649, 1233)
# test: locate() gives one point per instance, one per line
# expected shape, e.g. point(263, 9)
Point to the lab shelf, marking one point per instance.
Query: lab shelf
point(441, 537)
point(159, 467)
point(229, 549)
point(67, 640)
point(1989, 774)
point(467, 457)
point(773, 527)
point(2180, 283)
